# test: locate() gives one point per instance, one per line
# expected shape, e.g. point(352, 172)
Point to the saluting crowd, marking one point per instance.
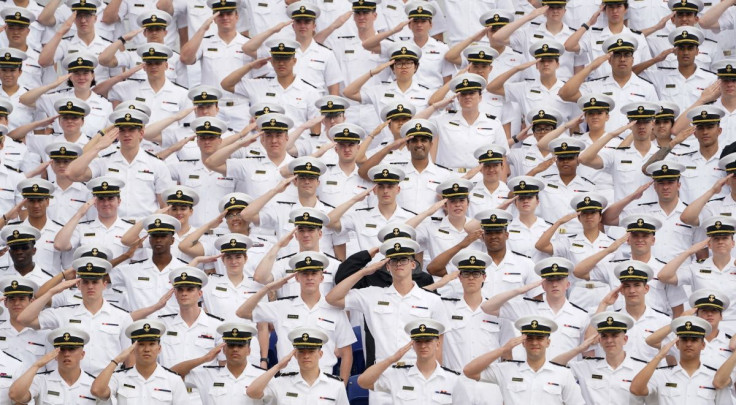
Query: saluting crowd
point(491, 202)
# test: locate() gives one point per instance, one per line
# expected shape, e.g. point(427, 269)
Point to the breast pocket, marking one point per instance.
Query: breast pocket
point(707, 393)
point(205, 341)
point(110, 328)
point(145, 176)
point(408, 396)
point(383, 309)
point(170, 106)
point(143, 283)
point(670, 392)
point(419, 311)
point(512, 278)
point(553, 389)
point(193, 180)
point(260, 176)
point(326, 324)
point(625, 165)
point(164, 396)
point(442, 398)
point(52, 397)
point(128, 395)
point(317, 64)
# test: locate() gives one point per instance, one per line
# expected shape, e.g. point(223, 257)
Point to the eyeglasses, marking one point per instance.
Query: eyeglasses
point(400, 261)
point(472, 274)
point(231, 215)
point(404, 63)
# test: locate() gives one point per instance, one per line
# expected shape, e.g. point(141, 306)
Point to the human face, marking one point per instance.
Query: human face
point(641, 243)
point(146, 352)
point(540, 130)
point(36, 207)
point(615, 13)
point(308, 237)
point(643, 129)
point(208, 144)
point(686, 54)
point(394, 124)
point(182, 213)
point(685, 18)
point(536, 346)
point(472, 281)
point(721, 244)
point(206, 110)
point(420, 26)
point(9, 76)
point(187, 296)
point(457, 207)
point(309, 281)
point(419, 147)
point(155, 68)
point(161, 243)
point(622, 62)
point(401, 267)
point(387, 193)
point(155, 34)
point(567, 165)
point(71, 124)
point(555, 13)
point(107, 207)
point(22, 255)
point(495, 241)
point(60, 166)
point(274, 142)
point(469, 99)
point(85, 22)
point(590, 219)
point(70, 357)
point(728, 86)
point(92, 289)
point(596, 119)
point(234, 262)
point(482, 69)
point(527, 203)
point(82, 79)
point(491, 171)
point(547, 66)
point(667, 190)
point(710, 314)
point(130, 137)
point(333, 119)
point(634, 292)
point(364, 19)
point(404, 69)
point(227, 20)
point(304, 27)
point(690, 347)
point(707, 135)
point(236, 354)
point(16, 304)
point(308, 359)
point(306, 185)
point(346, 151)
point(283, 67)
point(426, 349)
point(555, 286)
point(613, 342)
point(17, 34)
point(663, 129)
point(235, 222)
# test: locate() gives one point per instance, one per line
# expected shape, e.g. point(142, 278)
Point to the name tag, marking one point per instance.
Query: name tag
point(388, 95)
point(669, 86)
point(349, 51)
point(54, 393)
point(260, 172)
point(291, 316)
point(671, 385)
point(705, 271)
point(193, 176)
point(75, 321)
point(383, 303)
point(407, 388)
point(88, 235)
point(110, 169)
point(457, 317)
point(517, 379)
point(535, 91)
point(172, 333)
point(443, 231)
point(129, 386)
point(577, 245)
point(292, 394)
point(143, 279)
point(212, 49)
point(626, 162)
point(370, 225)
point(331, 183)
point(218, 384)
point(220, 288)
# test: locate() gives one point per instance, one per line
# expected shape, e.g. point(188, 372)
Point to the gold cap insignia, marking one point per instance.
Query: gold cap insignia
point(384, 172)
point(688, 325)
point(62, 150)
point(184, 276)
point(35, 187)
point(234, 332)
point(396, 231)
point(472, 259)
point(534, 324)
point(630, 270)
point(455, 187)
point(305, 336)
point(89, 267)
point(14, 284)
point(146, 327)
point(80, 61)
point(704, 114)
point(711, 298)
point(609, 320)
point(104, 185)
point(233, 242)
point(640, 222)
point(157, 222)
point(397, 247)
point(95, 252)
point(422, 328)
point(308, 260)
point(718, 224)
point(67, 336)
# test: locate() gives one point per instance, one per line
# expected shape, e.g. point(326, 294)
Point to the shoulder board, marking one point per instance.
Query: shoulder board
point(661, 261)
point(663, 367)
point(617, 260)
point(214, 316)
point(688, 153)
point(451, 370)
point(490, 116)
point(548, 175)
point(511, 361)
point(170, 370)
point(287, 374)
point(334, 377)
point(209, 36)
point(622, 147)
point(285, 202)
point(409, 211)
point(87, 222)
point(189, 160)
point(579, 307)
point(105, 39)
point(572, 29)
point(122, 309)
point(324, 46)
point(519, 52)
point(214, 367)
point(639, 360)
point(10, 355)
point(15, 222)
point(177, 84)
point(431, 292)
point(330, 256)
point(596, 28)
point(216, 275)
point(258, 367)
point(728, 336)
point(137, 261)
point(12, 168)
point(647, 203)
point(254, 157)
point(587, 180)
point(167, 315)
point(636, 32)
point(364, 209)
point(648, 81)
point(182, 260)
point(656, 310)
point(592, 358)
point(711, 40)
point(717, 199)
point(109, 154)
point(69, 37)
point(599, 78)
point(330, 165)
point(700, 260)
point(45, 372)
point(572, 236)
point(532, 299)
point(548, 223)
point(284, 257)
point(46, 273)
point(91, 375)
point(331, 206)
point(151, 154)
point(122, 370)
point(133, 79)
point(306, 82)
point(521, 254)
point(68, 306)
point(451, 299)
point(399, 365)
point(57, 223)
point(611, 237)
point(709, 367)
point(423, 86)
point(665, 68)
point(291, 297)
point(558, 364)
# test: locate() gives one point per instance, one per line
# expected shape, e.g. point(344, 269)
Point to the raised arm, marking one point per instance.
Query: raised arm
point(250, 48)
point(352, 90)
point(191, 245)
point(188, 51)
point(336, 214)
point(183, 368)
point(438, 265)
point(641, 380)
point(573, 42)
point(475, 367)
point(584, 267)
point(668, 273)
point(246, 309)
point(612, 213)
point(416, 220)
point(104, 87)
point(46, 57)
point(251, 212)
point(709, 20)
point(154, 130)
point(369, 377)
point(101, 385)
point(373, 44)
point(256, 389)
point(565, 357)
point(709, 95)
point(62, 240)
point(46, 16)
point(29, 316)
point(231, 80)
point(496, 85)
point(544, 243)
point(691, 214)
point(662, 153)
point(297, 132)
point(589, 156)
point(78, 169)
point(570, 91)
point(217, 162)
point(543, 144)
point(493, 305)
point(722, 379)
point(263, 273)
point(20, 391)
point(336, 296)
point(501, 37)
point(454, 55)
point(29, 98)
point(360, 158)
point(322, 36)
point(107, 57)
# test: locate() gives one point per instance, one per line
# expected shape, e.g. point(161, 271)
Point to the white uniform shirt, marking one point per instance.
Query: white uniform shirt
point(482, 199)
point(537, 31)
point(522, 238)
point(290, 388)
point(648, 323)
point(459, 138)
point(705, 274)
point(183, 342)
point(12, 368)
point(672, 86)
point(336, 187)
point(256, 175)
point(700, 173)
point(407, 385)
point(674, 386)
point(145, 283)
point(366, 222)
point(66, 203)
point(624, 166)
point(674, 236)
point(218, 386)
point(28, 344)
point(9, 179)
point(601, 384)
point(106, 329)
point(128, 387)
point(437, 235)
point(419, 190)
point(219, 59)
point(73, 44)
point(289, 313)
point(590, 48)
point(380, 96)
point(514, 271)
point(462, 21)
point(207, 183)
point(635, 90)
point(21, 114)
point(554, 200)
point(297, 99)
point(100, 110)
point(50, 388)
point(551, 385)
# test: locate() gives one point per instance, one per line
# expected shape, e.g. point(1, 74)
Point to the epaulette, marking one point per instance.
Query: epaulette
point(177, 84)
point(57, 223)
point(572, 236)
point(450, 299)
point(47, 273)
point(409, 211)
point(12, 168)
point(572, 29)
point(687, 205)
point(532, 299)
point(717, 199)
point(622, 147)
point(109, 154)
point(491, 116)
point(10, 355)
point(611, 237)
point(711, 40)
point(68, 306)
point(548, 175)
point(558, 364)
point(548, 223)
point(215, 316)
point(364, 209)
point(182, 260)
point(216, 275)
point(709, 367)
point(151, 154)
point(291, 297)
point(646, 203)
point(258, 367)
point(688, 153)
point(91, 375)
point(306, 82)
point(512, 361)
point(592, 358)
point(14, 222)
point(656, 310)
point(69, 37)
point(105, 39)
point(170, 370)
point(519, 52)
point(598, 78)
point(331, 206)
point(122, 309)
point(127, 221)
point(334, 377)
point(596, 28)
point(423, 86)
point(189, 160)
point(429, 291)
point(534, 23)
point(284, 257)
point(133, 79)
point(214, 367)
point(579, 307)
point(167, 315)
point(587, 180)
point(660, 368)
point(451, 370)
point(286, 202)
point(45, 372)
point(254, 157)
point(137, 261)
point(209, 36)
point(87, 222)
point(66, 90)
point(436, 219)
point(293, 373)
point(330, 165)
point(521, 254)
point(402, 365)
point(699, 260)
point(665, 68)
point(648, 81)
point(331, 256)
point(122, 370)
point(636, 32)
point(728, 336)
point(661, 261)
point(324, 46)
point(639, 360)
